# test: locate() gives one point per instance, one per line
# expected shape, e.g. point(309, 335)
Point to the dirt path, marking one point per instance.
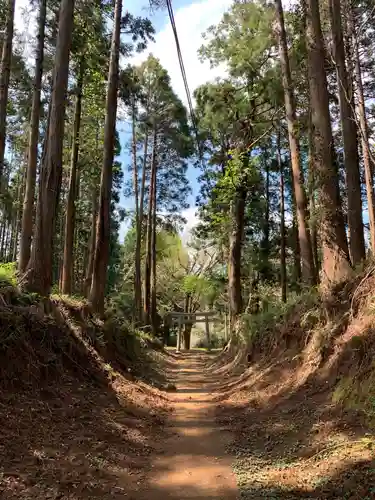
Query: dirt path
point(192, 463)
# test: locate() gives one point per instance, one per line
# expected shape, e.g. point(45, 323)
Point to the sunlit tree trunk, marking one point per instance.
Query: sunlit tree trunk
point(148, 259)
point(283, 281)
point(139, 234)
point(308, 272)
point(103, 230)
point(6, 57)
point(28, 202)
point(137, 260)
point(363, 128)
point(335, 265)
point(349, 133)
point(153, 254)
point(91, 254)
point(70, 219)
point(313, 215)
point(18, 214)
point(39, 276)
point(264, 271)
point(235, 254)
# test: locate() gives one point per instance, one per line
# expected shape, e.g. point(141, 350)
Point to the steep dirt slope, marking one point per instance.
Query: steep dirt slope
point(301, 404)
point(75, 423)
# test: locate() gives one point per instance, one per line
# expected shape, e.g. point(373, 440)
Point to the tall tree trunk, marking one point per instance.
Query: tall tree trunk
point(70, 220)
point(153, 255)
point(2, 239)
point(20, 190)
point(28, 202)
point(308, 272)
point(148, 259)
point(39, 276)
point(188, 327)
point(90, 264)
point(297, 272)
point(313, 225)
point(265, 242)
point(138, 243)
point(336, 265)
point(363, 129)
point(143, 187)
point(137, 257)
point(235, 254)
point(8, 240)
point(349, 133)
point(103, 231)
point(6, 58)
point(283, 282)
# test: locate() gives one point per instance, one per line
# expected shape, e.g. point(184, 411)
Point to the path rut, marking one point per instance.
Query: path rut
point(192, 462)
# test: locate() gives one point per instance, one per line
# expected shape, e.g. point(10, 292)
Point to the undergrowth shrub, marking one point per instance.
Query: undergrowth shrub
point(216, 341)
point(265, 328)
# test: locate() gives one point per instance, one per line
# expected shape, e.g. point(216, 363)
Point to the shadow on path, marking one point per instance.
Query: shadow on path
point(192, 463)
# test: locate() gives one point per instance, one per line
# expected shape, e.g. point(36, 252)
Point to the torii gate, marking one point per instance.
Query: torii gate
point(183, 318)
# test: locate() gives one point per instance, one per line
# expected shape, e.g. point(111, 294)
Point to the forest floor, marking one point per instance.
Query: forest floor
point(192, 460)
point(291, 440)
point(79, 441)
point(282, 439)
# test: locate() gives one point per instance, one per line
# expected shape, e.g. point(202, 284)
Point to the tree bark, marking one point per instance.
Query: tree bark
point(6, 58)
point(103, 231)
point(153, 254)
point(187, 337)
point(308, 272)
point(18, 214)
point(139, 228)
point(235, 254)
point(295, 247)
point(283, 282)
point(336, 265)
point(363, 129)
point(188, 327)
point(349, 133)
point(148, 259)
point(2, 238)
point(70, 220)
point(143, 188)
point(8, 236)
point(137, 257)
point(90, 264)
point(313, 228)
point(28, 202)
point(39, 275)
point(265, 241)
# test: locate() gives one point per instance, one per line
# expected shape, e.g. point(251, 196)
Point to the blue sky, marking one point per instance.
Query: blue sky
point(192, 19)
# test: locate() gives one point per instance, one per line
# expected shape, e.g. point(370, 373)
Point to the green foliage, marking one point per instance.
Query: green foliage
point(216, 341)
point(266, 325)
point(201, 286)
point(147, 91)
point(8, 275)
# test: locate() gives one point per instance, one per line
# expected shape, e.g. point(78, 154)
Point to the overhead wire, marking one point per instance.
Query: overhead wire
point(184, 77)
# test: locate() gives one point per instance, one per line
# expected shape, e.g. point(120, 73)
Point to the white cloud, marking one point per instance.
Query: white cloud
point(25, 23)
point(191, 22)
point(190, 214)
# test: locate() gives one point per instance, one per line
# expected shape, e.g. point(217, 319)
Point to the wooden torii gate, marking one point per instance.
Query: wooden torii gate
point(183, 318)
